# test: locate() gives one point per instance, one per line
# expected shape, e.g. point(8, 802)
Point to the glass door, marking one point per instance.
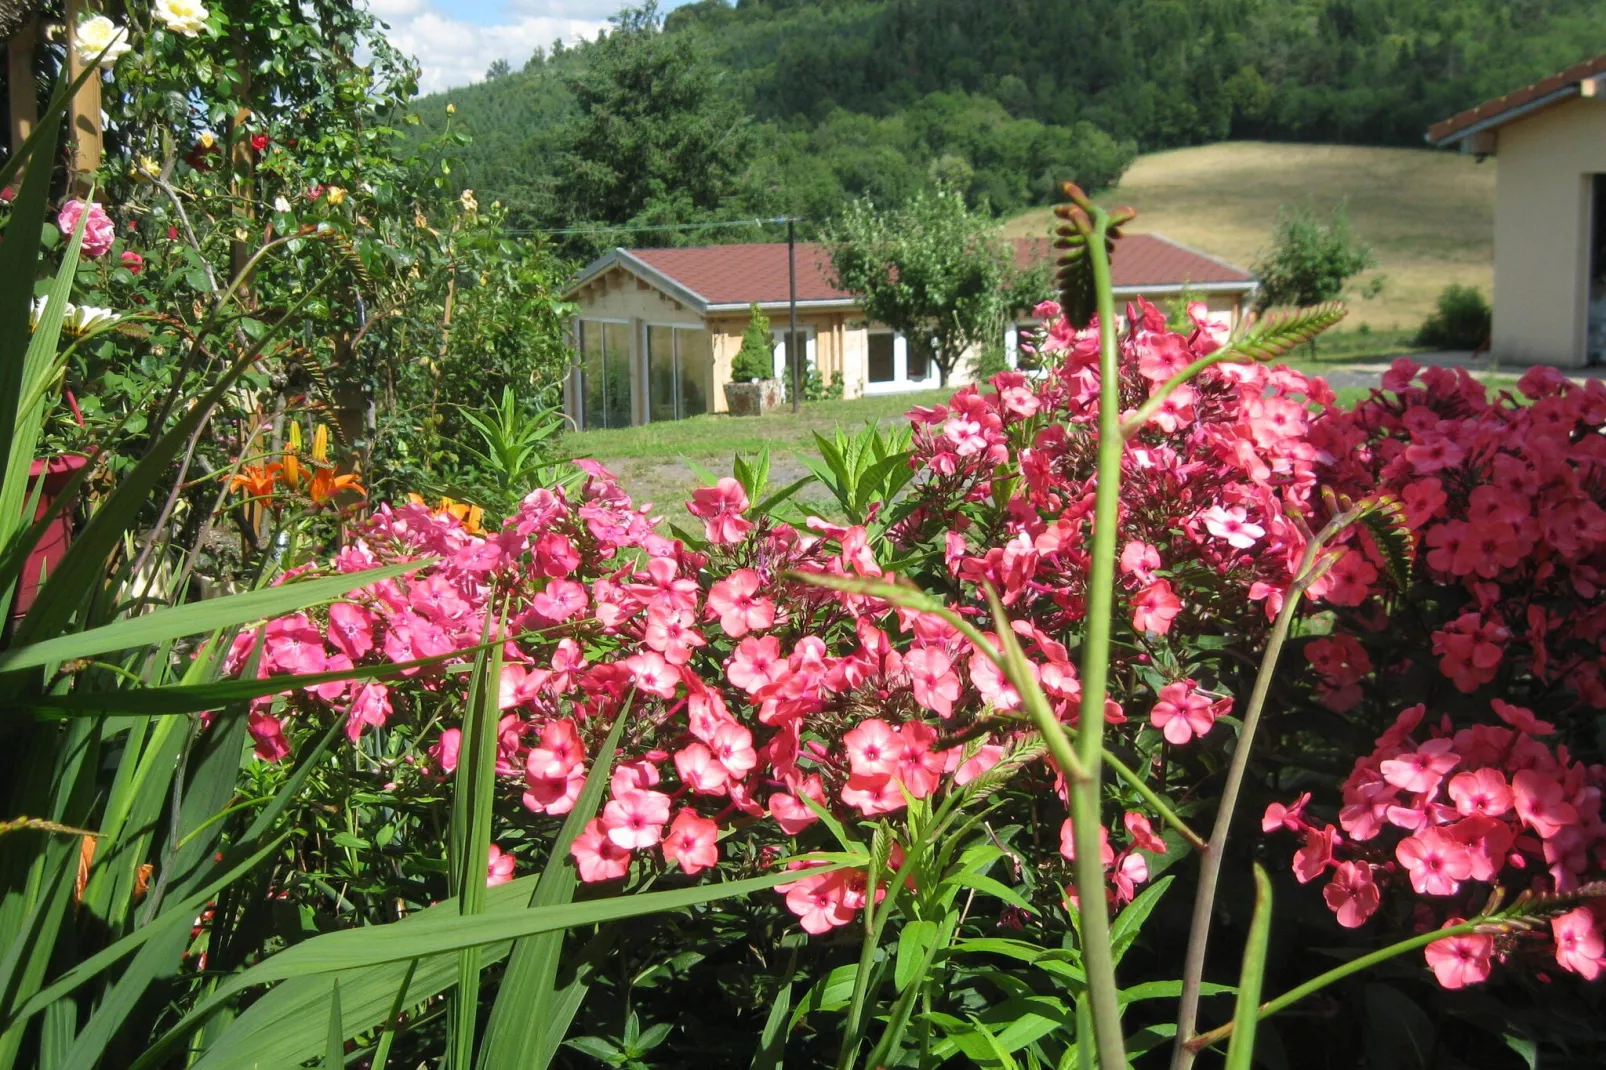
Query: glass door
point(680, 372)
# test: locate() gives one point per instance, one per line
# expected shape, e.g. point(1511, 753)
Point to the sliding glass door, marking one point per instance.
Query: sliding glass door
point(604, 374)
point(680, 372)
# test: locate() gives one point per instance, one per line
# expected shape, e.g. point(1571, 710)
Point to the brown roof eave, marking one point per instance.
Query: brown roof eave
point(1519, 102)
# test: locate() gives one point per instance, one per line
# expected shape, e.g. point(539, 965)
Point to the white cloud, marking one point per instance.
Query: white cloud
point(452, 52)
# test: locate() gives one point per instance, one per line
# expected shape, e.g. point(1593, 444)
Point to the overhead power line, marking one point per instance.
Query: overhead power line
point(627, 228)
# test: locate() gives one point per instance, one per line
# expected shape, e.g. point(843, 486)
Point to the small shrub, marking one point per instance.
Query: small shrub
point(1461, 322)
point(756, 358)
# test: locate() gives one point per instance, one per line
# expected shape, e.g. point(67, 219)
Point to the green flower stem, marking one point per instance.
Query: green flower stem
point(1204, 901)
point(1241, 1051)
point(875, 924)
point(1097, 957)
point(1338, 973)
point(1134, 423)
point(1159, 805)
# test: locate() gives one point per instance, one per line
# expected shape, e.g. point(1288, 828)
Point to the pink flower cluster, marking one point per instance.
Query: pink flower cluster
point(1509, 514)
point(1450, 812)
point(99, 231)
point(748, 694)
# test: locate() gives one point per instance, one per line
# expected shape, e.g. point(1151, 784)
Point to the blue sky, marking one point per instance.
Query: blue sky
point(456, 40)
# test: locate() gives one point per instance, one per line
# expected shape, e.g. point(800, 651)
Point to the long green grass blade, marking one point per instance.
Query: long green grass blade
point(393, 1019)
point(195, 618)
point(471, 826)
point(1246, 1012)
point(772, 1042)
point(527, 1023)
point(27, 423)
point(432, 933)
point(334, 1056)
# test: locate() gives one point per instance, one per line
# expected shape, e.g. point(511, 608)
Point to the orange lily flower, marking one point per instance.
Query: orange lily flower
point(325, 485)
point(257, 480)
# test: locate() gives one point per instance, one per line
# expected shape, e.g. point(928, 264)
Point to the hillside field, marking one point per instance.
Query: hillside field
point(1428, 215)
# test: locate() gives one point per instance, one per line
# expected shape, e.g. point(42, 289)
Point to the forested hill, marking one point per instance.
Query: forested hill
point(799, 104)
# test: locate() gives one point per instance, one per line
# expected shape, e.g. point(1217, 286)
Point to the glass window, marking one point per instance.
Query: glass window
point(616, 357)
point(695, 363)
point(660, 373)
point(919, 361)
point(882, 366)
point(594, 406)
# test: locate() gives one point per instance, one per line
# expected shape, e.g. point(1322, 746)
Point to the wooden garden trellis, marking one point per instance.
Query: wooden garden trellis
point(20, 24)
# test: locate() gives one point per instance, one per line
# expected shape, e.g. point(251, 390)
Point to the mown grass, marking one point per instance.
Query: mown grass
point(651, 460)
point(1428, 215)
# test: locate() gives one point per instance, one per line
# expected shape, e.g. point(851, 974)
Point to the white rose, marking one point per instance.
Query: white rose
point(100, 34)
point(280, 204)
point(187, 17)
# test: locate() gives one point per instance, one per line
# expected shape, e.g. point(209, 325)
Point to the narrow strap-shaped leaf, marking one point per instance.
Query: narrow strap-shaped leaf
point(524, 1018)
point(772, 1041)
point(443, 934)
point(334, 1056)
point(1246, 1012)
point(393, 1019)
point(196, 617)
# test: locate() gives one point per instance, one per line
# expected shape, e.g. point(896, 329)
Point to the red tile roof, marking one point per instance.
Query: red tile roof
point(1145, 260)
point(756, 271)
point(1493, 109)
point(738, 274)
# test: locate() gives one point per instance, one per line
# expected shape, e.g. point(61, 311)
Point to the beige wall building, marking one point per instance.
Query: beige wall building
point(1550, 214)
point(657, 329)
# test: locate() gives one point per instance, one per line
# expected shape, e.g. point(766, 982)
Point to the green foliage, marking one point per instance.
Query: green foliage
point(933, 270)
point(859, 98)
point(515, 444)
point(756, 358)
point(1461, 320)
point(657, 137)
point(1311, 261)
point(864, 472)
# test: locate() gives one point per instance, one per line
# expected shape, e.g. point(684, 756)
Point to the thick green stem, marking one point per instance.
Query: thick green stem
point(1204, 901)
point(1313, 566)
point(1338, 973)
point(1097, 958)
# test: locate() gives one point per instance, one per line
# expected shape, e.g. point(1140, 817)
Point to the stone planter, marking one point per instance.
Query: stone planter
point(753, 399)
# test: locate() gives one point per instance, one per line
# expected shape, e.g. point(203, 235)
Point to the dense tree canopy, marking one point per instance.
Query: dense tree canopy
point(997, 98)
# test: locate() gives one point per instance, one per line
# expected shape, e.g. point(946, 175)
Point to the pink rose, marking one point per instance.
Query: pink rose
point(98, 230)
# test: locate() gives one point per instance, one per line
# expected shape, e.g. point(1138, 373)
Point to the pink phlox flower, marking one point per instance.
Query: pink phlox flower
point(691, 842)
point(268, 733)
point(672, 633)
point(756, 663)
point(1139, 560)
point(653, 674)
point(987, 756)
point(1421, 770)
point(1521, 718)
point(499, 867)
point(1312, 859)
point(1289, 817)
point(1542, 803)
point(1436, 862)
point(1232, 524)
point(733, 601)
point(1068, 843)
point(1142, 833)
point(351, 629)
point(1155, 607)
point(559, 601)
point(1458, 961)
point(370, 707)
point(596, 856)
point(721, 507)
point(818, 902)
point(636, 818)
point(1579, 946)
point(932, 676)
point(445, 750)
point(1483, 791)
point(293, 645)
point(1182, 713)
point(1352, 894)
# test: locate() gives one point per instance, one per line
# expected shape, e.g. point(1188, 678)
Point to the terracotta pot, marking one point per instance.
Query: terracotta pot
point(753, 399)
point(53, 542)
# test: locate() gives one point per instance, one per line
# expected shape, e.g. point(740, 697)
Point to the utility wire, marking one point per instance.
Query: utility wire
point(627, 228)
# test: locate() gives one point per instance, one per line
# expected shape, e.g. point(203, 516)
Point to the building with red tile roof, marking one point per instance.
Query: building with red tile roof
point(657, 328)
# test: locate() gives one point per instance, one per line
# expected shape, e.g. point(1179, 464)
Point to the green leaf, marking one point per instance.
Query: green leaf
point(335, 1053)
point(1130, 921)
point(196, 617)
point(914, 945)
point(431, 933)
point(772, 1041)
point(1246, 1013)
point(531, 1016)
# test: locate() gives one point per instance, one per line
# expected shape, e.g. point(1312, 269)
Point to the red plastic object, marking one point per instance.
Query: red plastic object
point(53, 543)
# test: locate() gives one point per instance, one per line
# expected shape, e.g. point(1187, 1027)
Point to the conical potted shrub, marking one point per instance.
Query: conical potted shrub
point(753, 389)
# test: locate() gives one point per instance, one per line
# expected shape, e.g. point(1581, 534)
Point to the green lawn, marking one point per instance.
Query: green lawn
point(650, 460)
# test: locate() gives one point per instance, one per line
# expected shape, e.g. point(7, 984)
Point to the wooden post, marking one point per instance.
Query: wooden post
point(19, 76)
point(83, 112)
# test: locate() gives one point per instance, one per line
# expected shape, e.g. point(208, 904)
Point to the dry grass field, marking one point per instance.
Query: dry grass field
point(1428, 215)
